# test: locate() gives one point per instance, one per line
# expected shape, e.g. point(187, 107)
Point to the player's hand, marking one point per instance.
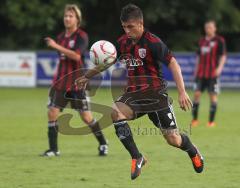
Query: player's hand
point(184, 101)
point(217, 72)
point(81, 82)
point(50, 42)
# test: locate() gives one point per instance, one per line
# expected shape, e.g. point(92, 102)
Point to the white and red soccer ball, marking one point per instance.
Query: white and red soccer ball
point(103, 52)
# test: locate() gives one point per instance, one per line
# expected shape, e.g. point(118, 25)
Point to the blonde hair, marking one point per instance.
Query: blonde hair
point(74, 8)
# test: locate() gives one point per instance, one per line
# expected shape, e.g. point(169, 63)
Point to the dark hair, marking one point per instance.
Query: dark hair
point(210, 21)
point(131, 11)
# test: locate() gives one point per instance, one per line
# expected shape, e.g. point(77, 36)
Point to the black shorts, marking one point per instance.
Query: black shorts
point(60, 99)
point(154, 103)
point(212, 85)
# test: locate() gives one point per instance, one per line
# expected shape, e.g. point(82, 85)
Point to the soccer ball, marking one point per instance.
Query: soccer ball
point(103, 52)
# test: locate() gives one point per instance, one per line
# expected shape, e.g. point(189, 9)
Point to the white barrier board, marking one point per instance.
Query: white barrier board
point(18, 69)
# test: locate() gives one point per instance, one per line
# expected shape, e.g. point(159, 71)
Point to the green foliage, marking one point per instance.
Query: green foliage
point(179, 23)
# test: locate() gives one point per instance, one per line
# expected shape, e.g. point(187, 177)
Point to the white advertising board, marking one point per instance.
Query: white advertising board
point(18, 69)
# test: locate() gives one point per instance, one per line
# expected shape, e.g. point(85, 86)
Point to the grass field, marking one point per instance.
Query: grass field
point(23, 136)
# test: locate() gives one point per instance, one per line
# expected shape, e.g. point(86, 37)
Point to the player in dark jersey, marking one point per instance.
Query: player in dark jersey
point(211, 57)
point(146, 94)
point(71, 45)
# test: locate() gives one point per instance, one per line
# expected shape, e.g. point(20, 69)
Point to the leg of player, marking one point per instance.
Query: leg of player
point(165, 120)
point(52, 133)
point(183, 142)
point(213, 109)
point(120, 114)
point(94, 125)
point(196, 102)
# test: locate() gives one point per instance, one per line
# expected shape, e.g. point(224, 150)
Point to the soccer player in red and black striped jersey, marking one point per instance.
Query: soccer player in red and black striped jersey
point(71, 45)
point(146, 94)
point(211, 57)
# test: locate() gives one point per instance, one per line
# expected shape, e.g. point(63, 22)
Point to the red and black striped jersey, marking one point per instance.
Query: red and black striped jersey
point(209, 52)
point(143, 61)
point(69, 70)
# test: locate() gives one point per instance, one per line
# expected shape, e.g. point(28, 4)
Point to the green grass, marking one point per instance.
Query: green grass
point(23, 136)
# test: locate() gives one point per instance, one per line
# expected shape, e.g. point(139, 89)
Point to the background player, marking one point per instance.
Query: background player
point(144, 54)
point(71, 45)
point(211, 57)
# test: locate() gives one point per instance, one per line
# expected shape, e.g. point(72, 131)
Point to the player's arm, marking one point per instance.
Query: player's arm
point(69, 53)
point(164, 55)
point(183, 98)
point(82, 81)
point(198, 53)
point(222, 61)
point(196, 67)
point(222, 53)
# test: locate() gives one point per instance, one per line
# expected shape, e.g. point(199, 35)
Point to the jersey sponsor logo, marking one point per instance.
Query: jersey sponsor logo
point(207, 49)
point(142, 52)
point(71, 43)
point(130, 61)
point(62, 56)
point(212, 44)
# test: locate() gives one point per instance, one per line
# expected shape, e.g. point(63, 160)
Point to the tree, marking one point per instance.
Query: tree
point(179, 23)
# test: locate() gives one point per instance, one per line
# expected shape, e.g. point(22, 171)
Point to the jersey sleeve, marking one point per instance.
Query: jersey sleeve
point(198, 48)
point(58, 40)
point(117, 46)
point(162, 53)
point(81, 44)
point(222, 46)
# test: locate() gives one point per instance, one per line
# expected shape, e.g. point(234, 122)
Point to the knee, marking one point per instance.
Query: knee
point(174, 139)
point(117, 115)
point(52, 114)
point(213, 99)
point(87, 118)
point(197, 96)
point(113, 114)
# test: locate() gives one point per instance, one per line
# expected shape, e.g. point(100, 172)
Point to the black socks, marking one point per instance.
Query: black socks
point(96, 130)
point(188, 146)
point(124, 134)
point(53, 135)
point(195, 110)
point(212, 113)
